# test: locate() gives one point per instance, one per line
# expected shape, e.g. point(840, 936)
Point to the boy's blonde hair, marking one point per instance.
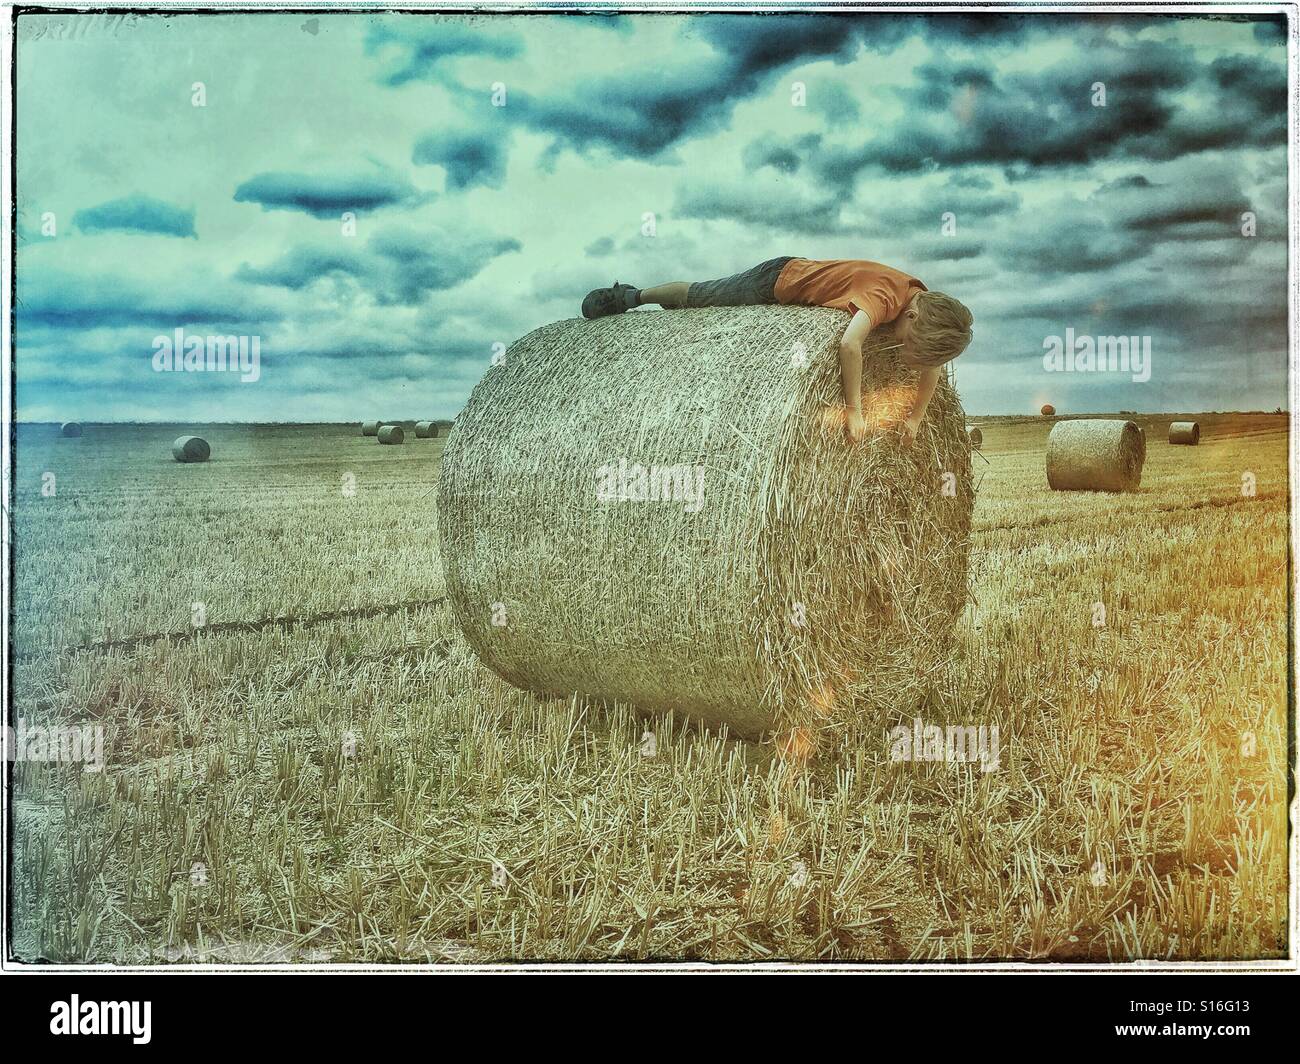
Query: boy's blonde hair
point(941, 330)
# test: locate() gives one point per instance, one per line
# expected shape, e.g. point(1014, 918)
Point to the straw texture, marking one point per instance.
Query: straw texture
point(191, 449)
point(976, 437)
point(1186, 432)
point(817, 580)
point(370, 428)
point(1095, 455)
point(391, 434)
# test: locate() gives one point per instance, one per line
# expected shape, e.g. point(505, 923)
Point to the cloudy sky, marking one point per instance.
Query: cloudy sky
point(744, 136)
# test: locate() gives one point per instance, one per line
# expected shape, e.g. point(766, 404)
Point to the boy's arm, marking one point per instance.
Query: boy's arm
point(851, 373)
point(926, 384)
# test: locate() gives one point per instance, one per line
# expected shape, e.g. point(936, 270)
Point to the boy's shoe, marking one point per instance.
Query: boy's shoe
point(601, 302)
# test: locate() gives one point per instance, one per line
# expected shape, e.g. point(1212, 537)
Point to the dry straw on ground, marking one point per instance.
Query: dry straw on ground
point(70, 429)
point(370, 428)
point(1188, 432)
point(976, 437)
point(191, 449)
point(391, 434)
point(812, 589)
point(1095, 454)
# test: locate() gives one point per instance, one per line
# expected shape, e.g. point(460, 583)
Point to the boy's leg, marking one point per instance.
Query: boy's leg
point(752, 287)
point(670, 295)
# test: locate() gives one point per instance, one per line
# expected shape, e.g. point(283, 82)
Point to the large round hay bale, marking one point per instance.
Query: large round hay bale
point(191, 449)
point(370, 428)
point(71, 429)
point(1186, 432)
point(391, 434)
point(1095, 454)
point(1047, 410)
point(425, 430)
point(680, 522)
point(975, 436)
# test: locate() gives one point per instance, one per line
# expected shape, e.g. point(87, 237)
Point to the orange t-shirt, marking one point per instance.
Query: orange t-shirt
point(847, 284)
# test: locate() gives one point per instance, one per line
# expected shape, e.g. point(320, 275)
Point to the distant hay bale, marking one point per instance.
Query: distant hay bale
point(391, 434)
point(441, 428)
point(975, 436)
point(680, 522)
point(370, 428)
point(191, 449)
point(425, 430)
point(70, 429)
point(1047, 410)
point(1188, 432)
point(1095, 454)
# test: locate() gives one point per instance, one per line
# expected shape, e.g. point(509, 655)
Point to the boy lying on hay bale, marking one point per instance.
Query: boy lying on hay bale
point(933, 328)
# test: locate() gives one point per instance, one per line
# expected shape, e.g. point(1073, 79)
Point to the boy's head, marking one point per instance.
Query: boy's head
point(935, 329)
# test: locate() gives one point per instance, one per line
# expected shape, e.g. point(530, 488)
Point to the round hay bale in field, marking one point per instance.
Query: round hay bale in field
point(1187, 432)
point(681, 523)
point(391, 434)
point(975, 436)
point(71, 429)
point(191, 449)
point(425, 430)
point(370, 428)
point(1047, 410)
point(1095, 454)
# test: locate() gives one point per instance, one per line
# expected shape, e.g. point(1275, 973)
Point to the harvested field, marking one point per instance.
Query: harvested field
point(349, 776)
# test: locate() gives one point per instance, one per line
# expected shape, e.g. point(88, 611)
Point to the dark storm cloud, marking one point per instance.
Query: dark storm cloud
point(971, 115)
point(974, 116)
point(136, 214)
point(1070, 238)
point(774, 205)
point(301, 265)
point(971, 201)
point(397, 265)
point(644, 111)
point(1194, 201)
point(48, 297)
point(326, 195)
point(787, 157)
point(470, 157)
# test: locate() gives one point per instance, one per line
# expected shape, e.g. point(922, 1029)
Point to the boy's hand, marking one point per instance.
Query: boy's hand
point(855, 425)
point(908, 428)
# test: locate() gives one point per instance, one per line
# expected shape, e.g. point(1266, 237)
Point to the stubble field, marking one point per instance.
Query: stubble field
point(322, 771)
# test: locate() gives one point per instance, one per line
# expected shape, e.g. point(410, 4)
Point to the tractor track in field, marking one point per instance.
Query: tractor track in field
point(1202, 504)
point(220, 627)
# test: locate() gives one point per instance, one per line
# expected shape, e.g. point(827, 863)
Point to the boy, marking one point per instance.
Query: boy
point(934, 328)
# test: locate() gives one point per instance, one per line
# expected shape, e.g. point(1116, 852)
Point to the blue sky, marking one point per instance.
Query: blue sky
point(744, 136)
